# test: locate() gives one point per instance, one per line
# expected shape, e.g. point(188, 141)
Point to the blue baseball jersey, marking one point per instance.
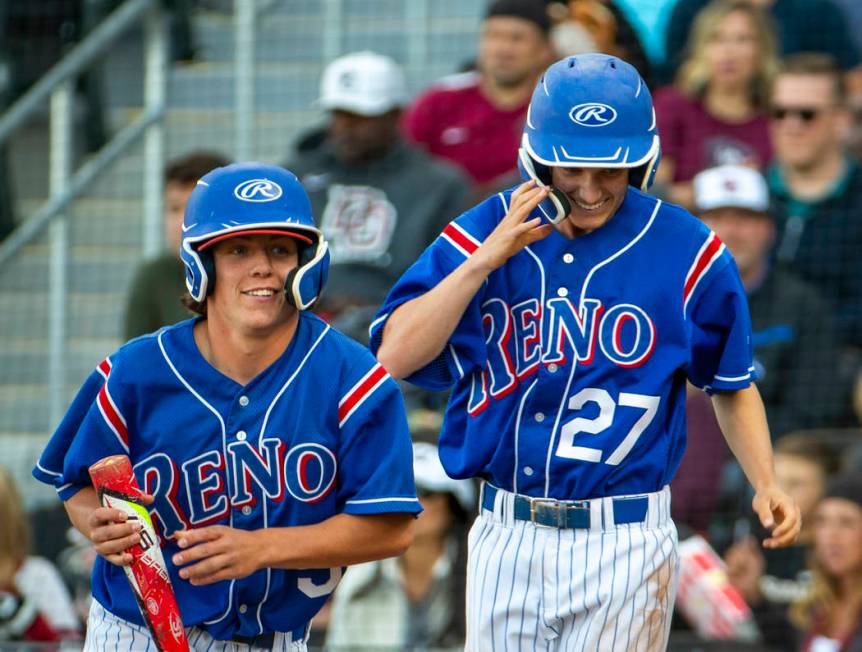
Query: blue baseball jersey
point(322, 431)
point(570, 364)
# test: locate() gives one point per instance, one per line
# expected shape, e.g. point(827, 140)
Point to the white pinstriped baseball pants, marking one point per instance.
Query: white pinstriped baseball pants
point(606, 588)
point(108, 633)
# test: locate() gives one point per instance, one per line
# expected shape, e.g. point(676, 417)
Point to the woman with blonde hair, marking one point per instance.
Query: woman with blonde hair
point(830, 612)
point(715, 113)
point(34, 602)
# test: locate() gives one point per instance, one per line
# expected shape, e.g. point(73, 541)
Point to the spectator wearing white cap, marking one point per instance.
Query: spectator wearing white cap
point(380, 200)
point(793, 336)
point(417, 600)
point(793, 328)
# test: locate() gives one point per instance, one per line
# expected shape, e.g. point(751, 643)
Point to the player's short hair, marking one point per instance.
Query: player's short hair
point(197, 307)
point(187, 169)
point(810, 447)
point(818, 64)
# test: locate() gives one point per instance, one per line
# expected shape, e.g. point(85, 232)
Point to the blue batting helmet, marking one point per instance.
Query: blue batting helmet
point(589, 110)
point(252, 198)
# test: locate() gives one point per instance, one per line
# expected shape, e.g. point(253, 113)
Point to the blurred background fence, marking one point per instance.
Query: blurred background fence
point(96, 96)
point(291, 41)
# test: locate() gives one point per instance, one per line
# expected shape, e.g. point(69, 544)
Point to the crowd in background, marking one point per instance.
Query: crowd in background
point(759, 110)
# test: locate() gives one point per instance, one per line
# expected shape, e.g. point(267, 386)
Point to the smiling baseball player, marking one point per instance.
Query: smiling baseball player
point(569, 314)
point(275, 449)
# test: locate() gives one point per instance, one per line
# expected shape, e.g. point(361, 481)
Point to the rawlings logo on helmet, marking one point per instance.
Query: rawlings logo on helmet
point(276, 202)
point(593, 114)
point(258, 190)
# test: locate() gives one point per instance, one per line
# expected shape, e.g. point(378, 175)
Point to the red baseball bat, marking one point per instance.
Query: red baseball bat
point(148, 575)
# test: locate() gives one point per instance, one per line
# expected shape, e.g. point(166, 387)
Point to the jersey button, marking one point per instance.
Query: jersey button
point(241, 435)
point(568, 258)
point(539, 416)
point(245, 512)
point(528, 470)
point(243, 400)
point(243, 608)
point(563, 292)
point(553, 368)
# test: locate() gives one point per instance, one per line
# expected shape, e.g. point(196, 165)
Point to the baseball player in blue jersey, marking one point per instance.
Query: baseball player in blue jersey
point(274, 449)
point(568, 314)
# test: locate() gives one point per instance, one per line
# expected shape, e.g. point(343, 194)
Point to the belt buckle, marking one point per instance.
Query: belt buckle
point(546, 503)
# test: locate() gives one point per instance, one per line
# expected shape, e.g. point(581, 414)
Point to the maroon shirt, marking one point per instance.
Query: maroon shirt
point(454, 121)
point(696, 140)
point(695, 488)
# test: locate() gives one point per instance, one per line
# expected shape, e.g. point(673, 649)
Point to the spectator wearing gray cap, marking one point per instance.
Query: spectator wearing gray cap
point(793, 337)
point(380, 200)
point(417, 600)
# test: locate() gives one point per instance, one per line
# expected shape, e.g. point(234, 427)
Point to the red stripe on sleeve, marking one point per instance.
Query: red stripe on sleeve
point(460, 238)
point(359, 393)
point(104, 367)
point(700, 265)
point(114, 419)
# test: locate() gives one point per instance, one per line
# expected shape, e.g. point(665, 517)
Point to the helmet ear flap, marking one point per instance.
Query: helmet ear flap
point(642, 177)
point(556, 206)
point(208, 265)
point(305, 282)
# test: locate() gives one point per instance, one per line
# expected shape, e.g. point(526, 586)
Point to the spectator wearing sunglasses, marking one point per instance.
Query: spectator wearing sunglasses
point(816, 186)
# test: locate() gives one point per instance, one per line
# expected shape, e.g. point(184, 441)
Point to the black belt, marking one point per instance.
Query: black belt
point(265, 641)
point(566, 513)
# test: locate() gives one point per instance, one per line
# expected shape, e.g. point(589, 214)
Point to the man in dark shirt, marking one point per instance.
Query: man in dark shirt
point(380, 199)
point(792, 326)
point(816, 188)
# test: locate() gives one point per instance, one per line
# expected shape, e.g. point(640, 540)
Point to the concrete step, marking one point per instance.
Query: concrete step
point(25, 362)
point(91, 269)
point(89, 314)
point(274, 132)
point(449, 40)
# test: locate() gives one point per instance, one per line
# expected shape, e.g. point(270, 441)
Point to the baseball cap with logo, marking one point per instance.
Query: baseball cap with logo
point(731, 186)
point(365, 83)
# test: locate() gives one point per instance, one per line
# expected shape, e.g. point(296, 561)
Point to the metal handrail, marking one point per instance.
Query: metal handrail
point(77, 60)
point(56, 84)
point(77, 184)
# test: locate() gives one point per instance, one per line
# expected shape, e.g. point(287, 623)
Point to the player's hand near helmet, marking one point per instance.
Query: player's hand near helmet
point(779, 514)
point(418, 330)
point(515, 231)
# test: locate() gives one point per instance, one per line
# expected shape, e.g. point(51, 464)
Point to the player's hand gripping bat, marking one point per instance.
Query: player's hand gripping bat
point(115, 483)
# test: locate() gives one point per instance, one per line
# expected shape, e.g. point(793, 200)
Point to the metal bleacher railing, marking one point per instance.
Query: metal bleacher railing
point(248, 93)
point(65, 270)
